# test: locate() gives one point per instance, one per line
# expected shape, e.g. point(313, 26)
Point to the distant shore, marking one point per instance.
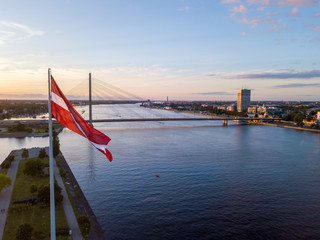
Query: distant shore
point(26, 134)
point(284, 125)
point(274, 124)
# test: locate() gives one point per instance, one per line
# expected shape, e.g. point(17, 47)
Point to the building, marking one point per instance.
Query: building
point(243, 100)
point(231, 108)
point(318, 117)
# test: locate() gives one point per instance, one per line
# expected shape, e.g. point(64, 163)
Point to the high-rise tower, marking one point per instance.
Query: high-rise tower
point(243, 100)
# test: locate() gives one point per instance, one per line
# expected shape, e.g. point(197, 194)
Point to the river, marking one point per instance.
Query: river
point(215, 182)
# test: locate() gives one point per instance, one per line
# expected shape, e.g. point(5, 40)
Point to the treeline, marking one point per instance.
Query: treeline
point(10, 109)
point(299, 117)
point(20, 127)
point(215, 110)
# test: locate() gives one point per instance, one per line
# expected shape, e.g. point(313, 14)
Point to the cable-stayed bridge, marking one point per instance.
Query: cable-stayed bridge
point(100, 92)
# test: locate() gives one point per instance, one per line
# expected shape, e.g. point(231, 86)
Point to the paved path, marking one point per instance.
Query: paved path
point(71, 218)
point(5, 194)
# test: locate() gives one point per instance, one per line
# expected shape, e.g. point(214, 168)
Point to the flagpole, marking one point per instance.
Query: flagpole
point(52, 203)
point(90, 101)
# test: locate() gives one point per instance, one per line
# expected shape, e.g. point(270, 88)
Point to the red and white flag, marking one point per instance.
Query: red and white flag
point(64, 112)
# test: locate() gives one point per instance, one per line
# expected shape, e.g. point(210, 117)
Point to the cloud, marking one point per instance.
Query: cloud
point(211, 75)
point(283, 2)
point(230, 1)
point(244, 34)
point(241, 9)
point(260, 9)
point(263, 2)
point(184, 9)
point(11, 31)
point(287, 74)
point(252, 22)
point(275, 24)
point(294, 2)
point(317, 28)
point(297, 85)
point(294, 12)
point(214, 93)
point(315, 39)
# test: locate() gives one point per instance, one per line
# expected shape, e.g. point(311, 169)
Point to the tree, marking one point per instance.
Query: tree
point(42, 153)
point(301, 124)
point(20, 127)
point(288, 117)
point(55, 143)
point(298, 117)
point(7, 162)
point(44, 193)
point(33, 188)
point(25, 153)
point(5, 181)
point(24, 232)
point(33, 167)
point(84, 224)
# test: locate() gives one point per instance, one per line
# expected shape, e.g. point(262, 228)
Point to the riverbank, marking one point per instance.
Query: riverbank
point(289, 126)
point(80, 203)
point(273, 124)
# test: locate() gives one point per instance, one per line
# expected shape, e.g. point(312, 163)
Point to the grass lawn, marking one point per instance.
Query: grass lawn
point(40, 130)
point(38, 216)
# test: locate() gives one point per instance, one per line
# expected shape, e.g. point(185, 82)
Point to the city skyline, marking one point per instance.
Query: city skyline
point(187, 50)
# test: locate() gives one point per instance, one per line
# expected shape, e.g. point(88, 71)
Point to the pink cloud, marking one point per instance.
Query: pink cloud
point(317, 15)
point(317, 28)
point(268, 20)
point(263, 2)
point(230, 1)
point(294, 12)
point(294, 2)
point(241, 9)
point(260, 9)
point(184, 9)
point(276, 24)
point(252, 22)
point(244, 34)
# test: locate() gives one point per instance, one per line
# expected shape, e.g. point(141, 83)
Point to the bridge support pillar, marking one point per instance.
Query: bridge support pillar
point(90, 102)
point(225, 122)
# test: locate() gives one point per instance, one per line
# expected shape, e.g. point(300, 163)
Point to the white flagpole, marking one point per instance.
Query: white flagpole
point(52, 203)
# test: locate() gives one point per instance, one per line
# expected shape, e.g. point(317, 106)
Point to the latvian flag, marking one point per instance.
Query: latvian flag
point(63, 111)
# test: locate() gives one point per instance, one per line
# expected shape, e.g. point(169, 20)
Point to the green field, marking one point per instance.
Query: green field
point(38, 216)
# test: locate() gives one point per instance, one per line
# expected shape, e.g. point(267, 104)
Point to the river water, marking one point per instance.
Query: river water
point(215, 182)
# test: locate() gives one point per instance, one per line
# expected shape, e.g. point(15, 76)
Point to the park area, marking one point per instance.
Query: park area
point(30, 203)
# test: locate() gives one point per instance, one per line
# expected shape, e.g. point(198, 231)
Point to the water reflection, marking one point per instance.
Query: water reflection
point(91, 164)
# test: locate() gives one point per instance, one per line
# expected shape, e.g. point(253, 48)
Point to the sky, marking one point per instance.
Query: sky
point(183, 49)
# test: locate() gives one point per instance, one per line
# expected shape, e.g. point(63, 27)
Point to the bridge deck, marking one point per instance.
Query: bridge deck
point(177, 119)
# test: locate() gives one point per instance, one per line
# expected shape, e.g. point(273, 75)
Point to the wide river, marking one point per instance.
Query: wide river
point(215, 182)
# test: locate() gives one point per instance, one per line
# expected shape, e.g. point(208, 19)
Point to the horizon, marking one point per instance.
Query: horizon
point(188, 50)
